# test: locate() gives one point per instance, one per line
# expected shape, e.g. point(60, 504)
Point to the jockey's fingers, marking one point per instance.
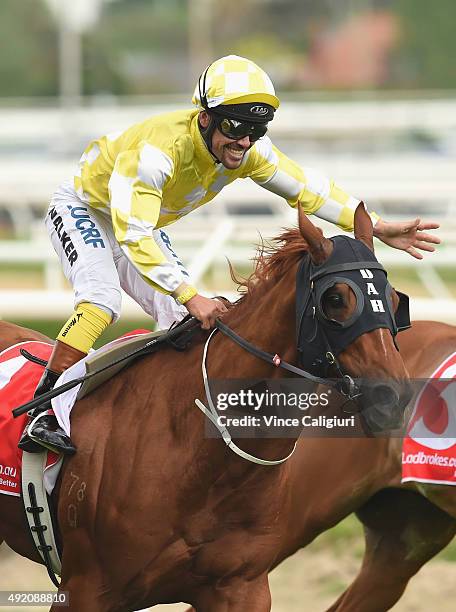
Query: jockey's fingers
point(204, 319)
point(424, 246)
point(414, 253)
point(220, 305)
point(207, 319)
point(428, 225)
point(410, 225)
point(429, 238)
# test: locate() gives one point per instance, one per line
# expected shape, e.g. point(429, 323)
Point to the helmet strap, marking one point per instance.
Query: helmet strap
point(202, 90)
point(207, 134)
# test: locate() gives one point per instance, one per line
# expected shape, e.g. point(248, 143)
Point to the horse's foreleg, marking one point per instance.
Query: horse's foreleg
point(235, 596)
point(85, 582)
point(403, 531)
point(85, 593)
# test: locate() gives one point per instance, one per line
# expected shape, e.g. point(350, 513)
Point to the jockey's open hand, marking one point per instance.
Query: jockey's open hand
point(407, 236)
point(205, 309)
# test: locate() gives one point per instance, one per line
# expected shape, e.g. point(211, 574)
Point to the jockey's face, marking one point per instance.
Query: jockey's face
point(229, 152)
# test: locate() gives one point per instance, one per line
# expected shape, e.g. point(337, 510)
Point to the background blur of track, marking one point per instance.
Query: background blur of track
point(368, 97)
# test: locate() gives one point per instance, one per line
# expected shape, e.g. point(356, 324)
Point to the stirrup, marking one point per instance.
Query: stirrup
point(28, 445)
point(63, 446)
point(26, 442)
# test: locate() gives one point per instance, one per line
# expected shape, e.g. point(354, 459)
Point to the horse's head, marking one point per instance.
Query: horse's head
point(347, 318)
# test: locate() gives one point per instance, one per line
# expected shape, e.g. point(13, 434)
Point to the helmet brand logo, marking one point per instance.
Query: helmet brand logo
point(259, 110)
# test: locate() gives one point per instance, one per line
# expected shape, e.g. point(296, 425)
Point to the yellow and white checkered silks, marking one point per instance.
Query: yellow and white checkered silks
point(156, 172)
point(234, 80)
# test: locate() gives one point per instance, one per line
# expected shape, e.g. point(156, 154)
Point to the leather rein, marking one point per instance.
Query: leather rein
point(348, 388)
point(275, 360)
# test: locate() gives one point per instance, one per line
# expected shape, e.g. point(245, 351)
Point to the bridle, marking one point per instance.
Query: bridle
point(321, 339)
point(331, 337)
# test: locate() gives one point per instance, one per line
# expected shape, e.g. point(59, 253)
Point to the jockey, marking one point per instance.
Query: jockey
point(106, 224)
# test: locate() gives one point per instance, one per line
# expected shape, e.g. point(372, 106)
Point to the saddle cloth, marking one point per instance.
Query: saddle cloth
point(18, 380)
point(429, 449)
point(62, 404)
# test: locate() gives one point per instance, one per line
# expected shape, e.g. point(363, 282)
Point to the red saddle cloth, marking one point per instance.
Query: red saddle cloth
point(429, 450)
point(18, 380)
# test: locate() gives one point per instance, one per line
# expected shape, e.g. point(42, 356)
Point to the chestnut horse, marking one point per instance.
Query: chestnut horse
point(405, 525)
point(150, 509)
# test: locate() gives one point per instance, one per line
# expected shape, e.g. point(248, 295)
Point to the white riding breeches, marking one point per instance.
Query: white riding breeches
point(96, 266)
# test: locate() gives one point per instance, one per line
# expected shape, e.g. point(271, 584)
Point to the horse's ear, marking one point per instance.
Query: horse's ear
point(364, 230)
point(320, 248)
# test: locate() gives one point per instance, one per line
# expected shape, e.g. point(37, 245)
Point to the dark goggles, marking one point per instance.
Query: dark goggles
point(240, 129)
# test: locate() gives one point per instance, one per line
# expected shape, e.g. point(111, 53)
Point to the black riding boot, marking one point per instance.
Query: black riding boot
point(46, 429)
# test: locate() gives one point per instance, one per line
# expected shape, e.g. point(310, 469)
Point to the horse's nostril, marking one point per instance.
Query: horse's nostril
point(385, 395)
point(384, 404)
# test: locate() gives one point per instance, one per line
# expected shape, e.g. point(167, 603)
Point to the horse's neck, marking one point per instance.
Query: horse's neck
point(269, 324)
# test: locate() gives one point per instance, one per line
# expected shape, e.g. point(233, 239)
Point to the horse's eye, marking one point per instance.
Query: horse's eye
point(335, 300)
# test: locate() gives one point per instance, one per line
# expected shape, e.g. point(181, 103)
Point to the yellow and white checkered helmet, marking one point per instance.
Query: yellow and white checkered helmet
point(234, 80)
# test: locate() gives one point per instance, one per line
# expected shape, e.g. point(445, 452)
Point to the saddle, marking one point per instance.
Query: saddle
point(104, 364)
point(99, 368)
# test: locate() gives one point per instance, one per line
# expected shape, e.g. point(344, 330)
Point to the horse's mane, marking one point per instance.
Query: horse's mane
point(272, 259)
